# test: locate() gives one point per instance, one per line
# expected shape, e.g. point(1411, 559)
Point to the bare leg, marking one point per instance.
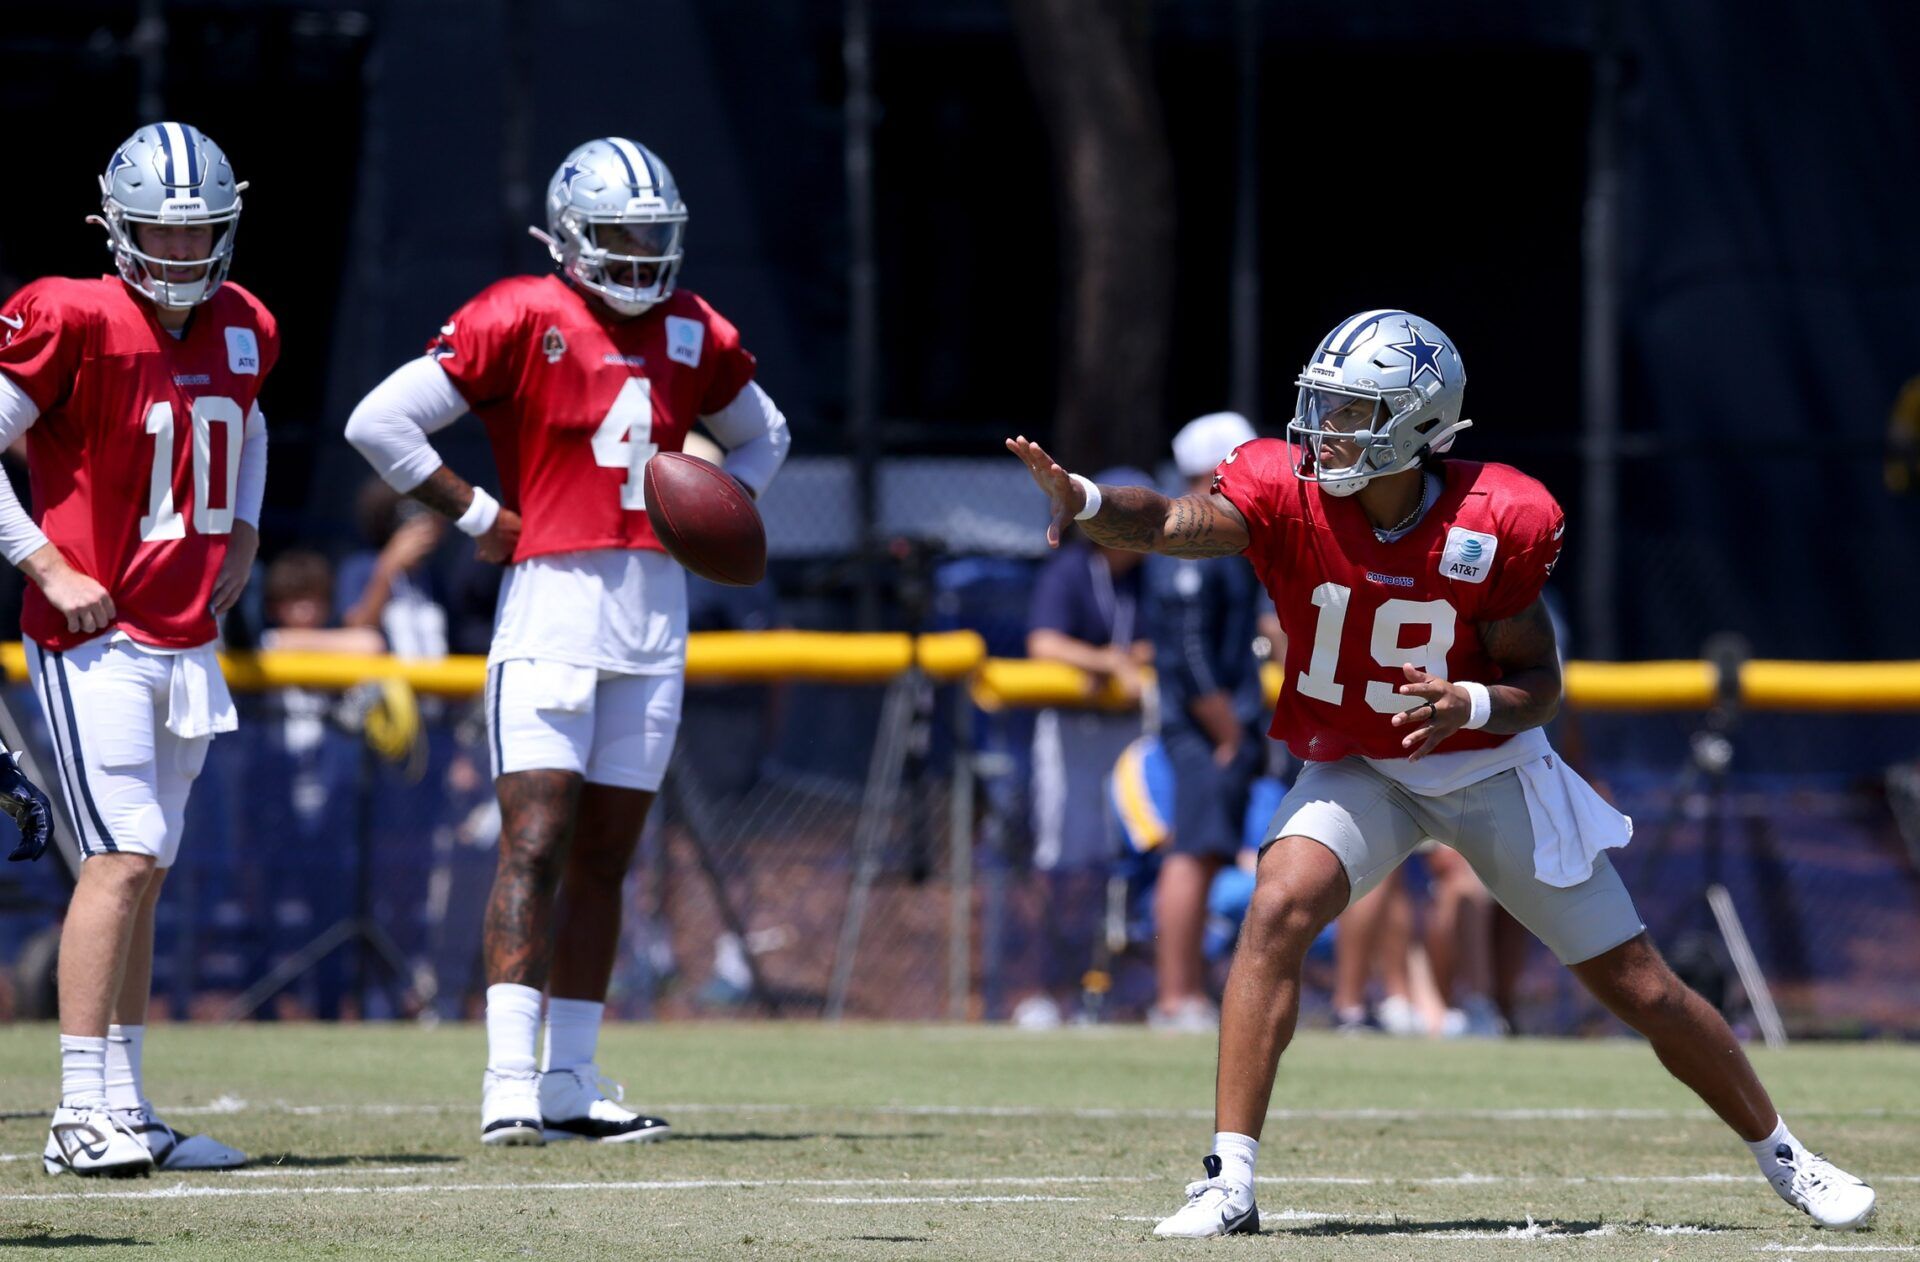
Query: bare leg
point(1690, 1038)
point(1395, 937)
point(587, 913)
point(1301, 888)
point(536, 814)
point(1354, 944)
point(1180, 918)
point(136, 980)
point(94, 938)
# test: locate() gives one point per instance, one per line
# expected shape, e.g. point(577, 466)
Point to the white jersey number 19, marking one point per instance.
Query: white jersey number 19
point(1317, 680)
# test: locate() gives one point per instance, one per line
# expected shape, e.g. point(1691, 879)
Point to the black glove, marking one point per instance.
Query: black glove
point(22, 799)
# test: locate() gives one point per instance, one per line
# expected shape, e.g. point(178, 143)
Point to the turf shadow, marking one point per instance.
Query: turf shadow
point(791, 1137)
point(1405, 1226)
point(294, 1161)
point(45, 1241)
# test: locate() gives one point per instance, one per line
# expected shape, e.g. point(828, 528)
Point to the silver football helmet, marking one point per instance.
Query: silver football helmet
point(615, 223)
point(170, 174)
point(1382, 391)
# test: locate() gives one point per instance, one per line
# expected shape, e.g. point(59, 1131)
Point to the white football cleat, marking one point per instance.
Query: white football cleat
point(92, 1141)
point(510, 1109)
point(173, 1150)
point(1214, 1207)
point(1823, 1191)
point(574, 1105)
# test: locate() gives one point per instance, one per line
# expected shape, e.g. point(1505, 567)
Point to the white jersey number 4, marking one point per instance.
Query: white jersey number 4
point(213, 488)
point(625, 439)
point(1317, 680)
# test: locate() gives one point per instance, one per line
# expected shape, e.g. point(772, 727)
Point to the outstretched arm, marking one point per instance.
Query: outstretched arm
point(1136, 518)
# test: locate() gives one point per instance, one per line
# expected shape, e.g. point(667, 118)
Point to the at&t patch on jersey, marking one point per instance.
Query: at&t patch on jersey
point(1468, 556)
point(684, 339)
point(243, 352)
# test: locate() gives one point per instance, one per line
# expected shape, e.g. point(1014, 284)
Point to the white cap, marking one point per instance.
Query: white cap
point(1206, 441)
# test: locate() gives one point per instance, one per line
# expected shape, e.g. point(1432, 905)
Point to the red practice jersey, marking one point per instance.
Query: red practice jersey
point(1354, 609)
point(576, 405)
point(135, 457)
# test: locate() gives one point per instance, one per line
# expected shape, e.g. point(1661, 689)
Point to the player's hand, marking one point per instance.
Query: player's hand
point(502, 538)
point(22, 799)
point(235, 568)
point(79, 599)
point(1444, 710)
point(1065, 496)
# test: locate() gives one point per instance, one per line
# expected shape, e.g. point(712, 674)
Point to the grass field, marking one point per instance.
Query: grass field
point(806, 1141)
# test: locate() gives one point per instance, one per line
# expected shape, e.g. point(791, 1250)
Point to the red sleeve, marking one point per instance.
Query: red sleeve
point(1535, 537)
point(42, 341)
point(269, 341)
point(733, 364)
point(479, 347)
point(1257, 478)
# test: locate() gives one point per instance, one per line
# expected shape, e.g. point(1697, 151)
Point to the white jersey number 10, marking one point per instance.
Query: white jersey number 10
point(216, 469)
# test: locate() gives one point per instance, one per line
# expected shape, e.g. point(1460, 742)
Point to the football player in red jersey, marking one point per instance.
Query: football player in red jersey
point(148, 459)
point(1420, 666)
point(580, 378)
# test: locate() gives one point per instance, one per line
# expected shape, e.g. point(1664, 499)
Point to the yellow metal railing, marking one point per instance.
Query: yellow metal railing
point(1014, 683)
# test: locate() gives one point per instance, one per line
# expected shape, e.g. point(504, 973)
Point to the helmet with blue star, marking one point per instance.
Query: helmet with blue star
point(170, 206)
point(1382, 391)
point(615, 223)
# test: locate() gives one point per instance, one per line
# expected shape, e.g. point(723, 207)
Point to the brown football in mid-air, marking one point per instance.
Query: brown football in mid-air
point(705, 519)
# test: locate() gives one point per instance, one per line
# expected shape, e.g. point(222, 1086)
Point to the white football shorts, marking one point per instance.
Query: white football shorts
point(124, 775)
point(608, 727)
point(1372, 823)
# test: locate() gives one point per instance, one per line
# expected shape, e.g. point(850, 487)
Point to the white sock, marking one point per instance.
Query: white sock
point(1237, 1154)
point(1767, 1151)
point(513, 1028)
point(573, 1032)
point(83, 1071)
point(124, 1046)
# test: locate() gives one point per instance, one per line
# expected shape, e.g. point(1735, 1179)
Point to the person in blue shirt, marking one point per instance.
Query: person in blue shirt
point(1206, 615)
point(1087, 610)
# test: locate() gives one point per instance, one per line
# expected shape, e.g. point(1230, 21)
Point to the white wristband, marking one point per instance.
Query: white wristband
point(480, 514)
point(1482, 702)
point(1093, 497)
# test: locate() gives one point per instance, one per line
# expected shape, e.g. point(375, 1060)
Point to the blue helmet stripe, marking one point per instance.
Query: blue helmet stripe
point(633, 177)
point(193, 160)
point(1348, 335)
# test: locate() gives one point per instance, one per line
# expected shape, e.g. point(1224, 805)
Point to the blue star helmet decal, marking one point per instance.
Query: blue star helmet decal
point(120, 162)
point(568, 174)
point(1424, 355)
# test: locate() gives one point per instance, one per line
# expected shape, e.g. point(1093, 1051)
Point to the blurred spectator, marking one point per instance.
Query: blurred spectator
point(299, 592)
point(1213, 718)
point(390, 587)
point(1087, 611)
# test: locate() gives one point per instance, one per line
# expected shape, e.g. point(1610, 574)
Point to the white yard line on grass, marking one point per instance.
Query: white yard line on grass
point(1777, 1247)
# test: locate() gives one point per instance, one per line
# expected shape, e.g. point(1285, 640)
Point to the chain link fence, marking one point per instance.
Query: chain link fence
point(801, 862)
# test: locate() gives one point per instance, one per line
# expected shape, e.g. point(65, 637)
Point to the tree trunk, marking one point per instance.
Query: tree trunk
point(1088, 62)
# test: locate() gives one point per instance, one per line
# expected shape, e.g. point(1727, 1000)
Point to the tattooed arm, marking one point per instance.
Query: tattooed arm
point(1136, 518)
point(392, 426)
